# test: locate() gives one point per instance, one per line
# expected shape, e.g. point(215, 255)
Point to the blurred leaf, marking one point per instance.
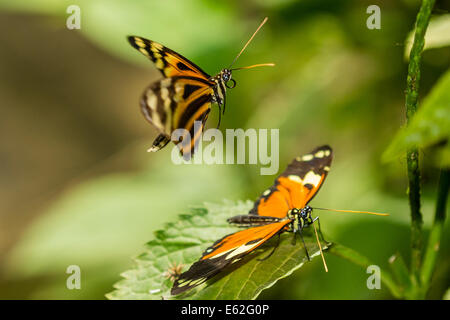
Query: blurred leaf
point(430, 125)
point(358, 259)
point(437, 36)
point(446, 295)
point(98, 224)
point(183, 243)
point(400, 272)
point(205, 25)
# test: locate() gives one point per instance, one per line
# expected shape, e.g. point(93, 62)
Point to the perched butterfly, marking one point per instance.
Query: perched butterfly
point(184, 97)
point(283, 207)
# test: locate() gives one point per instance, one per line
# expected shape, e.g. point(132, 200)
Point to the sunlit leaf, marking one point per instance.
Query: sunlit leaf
point(430, 126)
point(437, 36)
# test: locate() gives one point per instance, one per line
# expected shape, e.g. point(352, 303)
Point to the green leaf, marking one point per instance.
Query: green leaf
point(401, 273)
point(430, 125)
point(183, 243)
point(437, 36)
point(446, 295)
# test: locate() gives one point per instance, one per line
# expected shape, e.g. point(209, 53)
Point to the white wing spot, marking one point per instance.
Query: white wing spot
point(295, 178)
point(242, 249)
point(165, 93)
point(320, 154)
point(152, 101)
point(165, 83)
point(198, 281)
point(312, 178)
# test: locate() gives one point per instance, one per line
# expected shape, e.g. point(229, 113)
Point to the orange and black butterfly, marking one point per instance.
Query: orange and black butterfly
point(282, 207)
point(182, 100)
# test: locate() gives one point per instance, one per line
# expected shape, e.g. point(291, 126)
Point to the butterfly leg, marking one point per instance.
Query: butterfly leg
point(220, 116)
point(273, 250)
point(304, 245)
point(160, 142)
point(294, 238)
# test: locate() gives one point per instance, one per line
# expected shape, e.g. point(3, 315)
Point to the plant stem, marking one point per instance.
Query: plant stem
point(434, 241)
point(412, 156)
point(358, 259)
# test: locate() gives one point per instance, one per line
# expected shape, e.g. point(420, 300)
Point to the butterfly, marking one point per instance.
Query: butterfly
point(283, 207)
point(183, 98)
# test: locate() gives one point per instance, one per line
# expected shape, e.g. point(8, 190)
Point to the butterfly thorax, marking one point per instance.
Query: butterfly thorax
point(300, 217)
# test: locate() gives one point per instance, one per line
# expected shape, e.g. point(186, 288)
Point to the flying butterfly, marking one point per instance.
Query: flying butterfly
point(281, 208)
point(183, 99)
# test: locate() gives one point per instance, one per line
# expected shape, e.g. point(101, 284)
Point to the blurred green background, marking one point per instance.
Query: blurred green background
point(78, 187)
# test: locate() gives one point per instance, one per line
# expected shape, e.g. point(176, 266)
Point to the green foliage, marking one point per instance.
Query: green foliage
point(335, 82)
point(430, 125)
point(401, 275)
point(184, 241)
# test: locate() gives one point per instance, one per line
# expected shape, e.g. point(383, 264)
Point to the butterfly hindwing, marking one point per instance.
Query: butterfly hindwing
point(177, 102)
point(166, 60)
point(224, 252)
point(297, 185)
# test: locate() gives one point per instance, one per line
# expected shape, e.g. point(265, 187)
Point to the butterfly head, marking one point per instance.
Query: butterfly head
point(301, 217)
point(226, 77)
point(305, 213)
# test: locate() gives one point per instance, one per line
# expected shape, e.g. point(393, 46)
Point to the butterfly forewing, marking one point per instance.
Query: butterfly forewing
point(225, 251)
point(166, 60)
point(297, 185)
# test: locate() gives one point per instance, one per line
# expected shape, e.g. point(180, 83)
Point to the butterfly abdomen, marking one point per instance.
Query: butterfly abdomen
point(252, 220)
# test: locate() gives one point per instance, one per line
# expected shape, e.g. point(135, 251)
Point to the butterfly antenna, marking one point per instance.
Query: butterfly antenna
point(320, 248)
point(354, 211)
point(255, 66)
point(250, 40)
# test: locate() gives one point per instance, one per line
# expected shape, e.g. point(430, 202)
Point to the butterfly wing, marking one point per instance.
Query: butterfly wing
point(175, 103)
point(297, 185)
point(224, 252)
point(167, 61)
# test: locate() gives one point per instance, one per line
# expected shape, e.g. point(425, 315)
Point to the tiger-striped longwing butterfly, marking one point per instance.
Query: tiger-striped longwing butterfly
point(184, 96)
point(283, 207)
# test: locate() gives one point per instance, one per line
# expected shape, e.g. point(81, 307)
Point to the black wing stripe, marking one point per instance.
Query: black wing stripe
point(192, 108)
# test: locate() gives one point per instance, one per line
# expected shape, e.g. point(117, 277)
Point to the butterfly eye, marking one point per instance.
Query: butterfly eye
point(232, 85)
